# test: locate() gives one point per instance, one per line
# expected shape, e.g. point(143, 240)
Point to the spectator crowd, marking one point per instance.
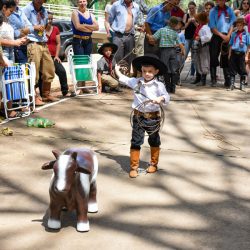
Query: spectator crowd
point(216, 34)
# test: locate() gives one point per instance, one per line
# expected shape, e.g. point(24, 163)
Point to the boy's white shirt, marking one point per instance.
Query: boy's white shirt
point(205, 34)
point(152, 90)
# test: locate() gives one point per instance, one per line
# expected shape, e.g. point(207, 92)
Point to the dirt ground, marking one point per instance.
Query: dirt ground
point(199, 198)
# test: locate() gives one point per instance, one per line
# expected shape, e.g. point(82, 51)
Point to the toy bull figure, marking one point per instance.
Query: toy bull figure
point(73, 185)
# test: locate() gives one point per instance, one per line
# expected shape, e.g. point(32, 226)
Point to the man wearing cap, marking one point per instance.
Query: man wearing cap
point(37, 48)
point(156, 19)
point(148, 94)
point(122, 19)
point(221, 19)
point(105, 68)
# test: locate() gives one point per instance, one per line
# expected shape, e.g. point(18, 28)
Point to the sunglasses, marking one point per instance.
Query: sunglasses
point(246, 3)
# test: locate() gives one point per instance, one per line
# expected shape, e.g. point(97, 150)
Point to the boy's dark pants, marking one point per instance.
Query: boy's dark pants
point(216, 48)
point(138, 132)
point(169, 57)
point(237, 64)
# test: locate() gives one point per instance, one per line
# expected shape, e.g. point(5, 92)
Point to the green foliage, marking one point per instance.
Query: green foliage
point(60, 2)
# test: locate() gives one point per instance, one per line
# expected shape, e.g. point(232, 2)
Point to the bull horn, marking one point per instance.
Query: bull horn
point(56, 153)
point(74, 155)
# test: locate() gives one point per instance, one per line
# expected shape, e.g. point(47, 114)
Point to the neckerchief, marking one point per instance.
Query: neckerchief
point(238, 34)
point(223, 9)
point(109, 61)
point(198, 28)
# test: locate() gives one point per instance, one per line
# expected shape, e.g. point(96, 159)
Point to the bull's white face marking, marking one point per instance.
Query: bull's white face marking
point(63, 162)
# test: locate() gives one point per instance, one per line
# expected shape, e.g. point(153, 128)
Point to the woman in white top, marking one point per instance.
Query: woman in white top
point(202, 37)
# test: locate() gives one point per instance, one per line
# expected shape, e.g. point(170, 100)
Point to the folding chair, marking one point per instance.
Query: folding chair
point(83, 72)
point(18, 87)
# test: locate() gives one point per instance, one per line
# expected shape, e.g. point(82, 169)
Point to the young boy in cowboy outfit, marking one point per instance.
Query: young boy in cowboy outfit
point(168, 41)
point(105, 68)
point(203, 36)
point(221, 19)
point(239, 44)
point(148, 94)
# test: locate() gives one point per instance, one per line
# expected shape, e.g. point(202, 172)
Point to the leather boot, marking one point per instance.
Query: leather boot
point(242, 82)
point(232, 81)
point(155, 152)
point(203, 80)
point(47, 97)
point(134, 162)
point(213, 76)
point(227, 77)
point(197, 79)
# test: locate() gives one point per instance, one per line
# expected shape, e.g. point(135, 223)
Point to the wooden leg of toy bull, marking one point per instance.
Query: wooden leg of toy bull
point(92, 204)
point(82, 216)
point(54, 221)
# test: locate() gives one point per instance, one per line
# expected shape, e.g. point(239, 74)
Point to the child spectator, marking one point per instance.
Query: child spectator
point(239, 44)
point(168, 40)
point(147, 89)
point(180, 57)
point(202, 37)
point(105, 68)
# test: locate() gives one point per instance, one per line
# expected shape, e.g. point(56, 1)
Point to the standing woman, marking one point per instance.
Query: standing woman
point(190, 27)
point(83, 24)
point(54, 44)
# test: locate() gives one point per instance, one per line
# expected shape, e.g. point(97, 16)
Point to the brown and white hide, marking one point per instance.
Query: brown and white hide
point(73, 185)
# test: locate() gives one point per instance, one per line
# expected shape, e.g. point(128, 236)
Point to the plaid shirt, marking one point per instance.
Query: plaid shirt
point(167, 36)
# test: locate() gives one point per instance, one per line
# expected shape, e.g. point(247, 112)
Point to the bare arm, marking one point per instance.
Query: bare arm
point(94, 26)
point(99, 79)
point(107, 24)
point(78, 26)
point(58, 45)
point(12, 43)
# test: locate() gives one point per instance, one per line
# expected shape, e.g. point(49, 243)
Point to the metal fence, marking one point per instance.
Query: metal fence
point(64, 12)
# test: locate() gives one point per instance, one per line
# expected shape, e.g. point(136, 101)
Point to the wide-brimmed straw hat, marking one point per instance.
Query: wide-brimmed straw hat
point(113, 46)
point(149, 59)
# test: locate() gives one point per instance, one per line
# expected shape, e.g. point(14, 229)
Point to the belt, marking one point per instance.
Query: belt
point(123, 34)
point(147, 115)
point(238, 52)
point(205, 44)
point(82, 37)
point(39, 43)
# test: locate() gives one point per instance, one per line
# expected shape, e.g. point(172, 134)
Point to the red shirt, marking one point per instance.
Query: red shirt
point(52, 40)
point(177, 12)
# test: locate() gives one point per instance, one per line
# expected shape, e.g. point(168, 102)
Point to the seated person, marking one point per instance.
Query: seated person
point(105, 68)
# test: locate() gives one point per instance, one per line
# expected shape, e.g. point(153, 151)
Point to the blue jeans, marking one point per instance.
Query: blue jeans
point(82, 47)
point(138, 132)
point(188, 46)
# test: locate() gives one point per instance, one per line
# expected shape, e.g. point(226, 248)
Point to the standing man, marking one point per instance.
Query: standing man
point(37, 49)
point(221, 19)
point(22, 27)
point(157, 18)
point(139, 28)
point(123, 17)
point(177, 11)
